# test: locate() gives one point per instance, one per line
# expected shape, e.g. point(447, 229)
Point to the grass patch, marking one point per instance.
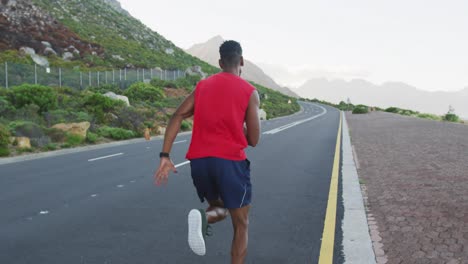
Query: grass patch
point(74, 140)
point(115, 133)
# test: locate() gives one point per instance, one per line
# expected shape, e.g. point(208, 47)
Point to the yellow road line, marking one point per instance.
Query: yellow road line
point(328, 236)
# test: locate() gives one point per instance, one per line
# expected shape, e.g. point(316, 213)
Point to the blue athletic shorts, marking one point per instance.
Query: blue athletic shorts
point(228, 180)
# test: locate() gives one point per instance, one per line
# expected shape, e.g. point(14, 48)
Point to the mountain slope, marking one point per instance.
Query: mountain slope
point(388, 94)
point(209, 52)
point(95, 32)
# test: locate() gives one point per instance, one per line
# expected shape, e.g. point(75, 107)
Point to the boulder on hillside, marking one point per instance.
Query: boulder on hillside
point(74, 128)
point(66, 56)
point(160, 130)
point(27, 51)
point(49, 51)
point(262, 114)
point(40, 60)
point(46, 44)
point(118, 97)
point(196, 70)
point(23, 142)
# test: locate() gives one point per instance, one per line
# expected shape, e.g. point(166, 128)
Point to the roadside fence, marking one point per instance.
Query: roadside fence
point(13, 74)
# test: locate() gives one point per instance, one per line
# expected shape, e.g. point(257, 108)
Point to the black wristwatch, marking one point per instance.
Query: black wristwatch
point(164, 155)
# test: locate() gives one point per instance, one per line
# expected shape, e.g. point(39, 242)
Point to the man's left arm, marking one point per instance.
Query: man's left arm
point(185, 110)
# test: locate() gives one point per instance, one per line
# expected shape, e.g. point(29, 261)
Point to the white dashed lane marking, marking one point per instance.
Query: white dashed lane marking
point(182, 164)
point(105, 157)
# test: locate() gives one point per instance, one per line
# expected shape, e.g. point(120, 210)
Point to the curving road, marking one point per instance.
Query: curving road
point(100, 206)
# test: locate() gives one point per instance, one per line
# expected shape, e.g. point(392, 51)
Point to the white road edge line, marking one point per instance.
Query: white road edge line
point(281, 128)
point(182, 164)
point(178, 142)
point(105, 157)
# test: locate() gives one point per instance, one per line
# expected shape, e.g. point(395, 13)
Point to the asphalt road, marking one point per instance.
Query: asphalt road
point(100, 206)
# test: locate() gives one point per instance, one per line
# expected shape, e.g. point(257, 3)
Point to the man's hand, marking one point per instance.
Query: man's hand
point(162, 174)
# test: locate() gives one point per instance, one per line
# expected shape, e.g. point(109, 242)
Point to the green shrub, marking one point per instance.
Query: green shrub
point(407, 112)
point(360, 109)
point(163, 83)
point(29, 112)
point(144, 92)
point(106, 88)
point(130, 118)
point(56, 135)
point(65, 116)
point(345, 106)
point(185, 126)
point(429, 116)
point(28, 129)
point(4, 151)
point(98, 104)
point(392, 110)
point(4, 136)
point(23, 150)
point(6, 108)
point(43, 96)
point(451, 117)
point(188, 82)
point(74, 140)
point(92, 137)
point(50, 146)
point(115, 133)
point(65, 145)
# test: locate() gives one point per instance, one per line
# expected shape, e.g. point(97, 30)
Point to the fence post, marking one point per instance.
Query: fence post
point(165, 75)
point(98, 79)
point(143, 74)
point(35, 73)
point(60, 77)
point(160, 75)
point(151, 73)
point(6, 74)
point(125, 74)
point(81, 81)
point(106, 76)
point(120, 75)
point(89, 78)
point(138, 73)
point(113, 76)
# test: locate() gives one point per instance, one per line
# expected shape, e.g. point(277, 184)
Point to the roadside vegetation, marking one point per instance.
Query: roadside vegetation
point(450, 116)
point(33, 117)
point(275, 103)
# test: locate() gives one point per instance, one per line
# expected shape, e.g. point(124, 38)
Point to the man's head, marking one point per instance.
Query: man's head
point(231, 57)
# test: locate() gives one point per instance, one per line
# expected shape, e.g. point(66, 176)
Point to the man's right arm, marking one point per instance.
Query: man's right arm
point(252, 120)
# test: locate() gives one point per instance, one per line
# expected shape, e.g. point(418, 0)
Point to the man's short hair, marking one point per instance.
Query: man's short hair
point(230, 52)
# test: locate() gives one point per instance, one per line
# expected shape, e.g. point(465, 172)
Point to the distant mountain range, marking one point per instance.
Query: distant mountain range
point(209, 52)
point(388, 94)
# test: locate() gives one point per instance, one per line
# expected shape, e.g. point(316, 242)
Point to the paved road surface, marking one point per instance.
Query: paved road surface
point(83, 208)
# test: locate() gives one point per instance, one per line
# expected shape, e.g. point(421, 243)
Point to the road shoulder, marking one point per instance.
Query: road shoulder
point(357, 244)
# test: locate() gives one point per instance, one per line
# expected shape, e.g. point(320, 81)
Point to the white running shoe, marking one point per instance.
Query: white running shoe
point(196, 230)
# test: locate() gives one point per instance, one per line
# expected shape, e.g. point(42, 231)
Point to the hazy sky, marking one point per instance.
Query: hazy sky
point(420, 42)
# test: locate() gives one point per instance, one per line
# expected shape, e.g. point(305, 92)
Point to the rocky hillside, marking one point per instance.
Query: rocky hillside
point(209, 52)
point(87, 33)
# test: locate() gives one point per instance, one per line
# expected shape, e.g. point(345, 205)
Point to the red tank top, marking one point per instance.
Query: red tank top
point(221, 102)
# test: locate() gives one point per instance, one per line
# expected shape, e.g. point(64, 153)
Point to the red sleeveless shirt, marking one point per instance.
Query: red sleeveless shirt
point(221, 103)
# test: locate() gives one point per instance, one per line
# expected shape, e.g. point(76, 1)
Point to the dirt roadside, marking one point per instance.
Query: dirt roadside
point(415, 172)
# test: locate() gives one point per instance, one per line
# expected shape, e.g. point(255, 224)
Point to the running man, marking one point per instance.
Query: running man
point(221, 104)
